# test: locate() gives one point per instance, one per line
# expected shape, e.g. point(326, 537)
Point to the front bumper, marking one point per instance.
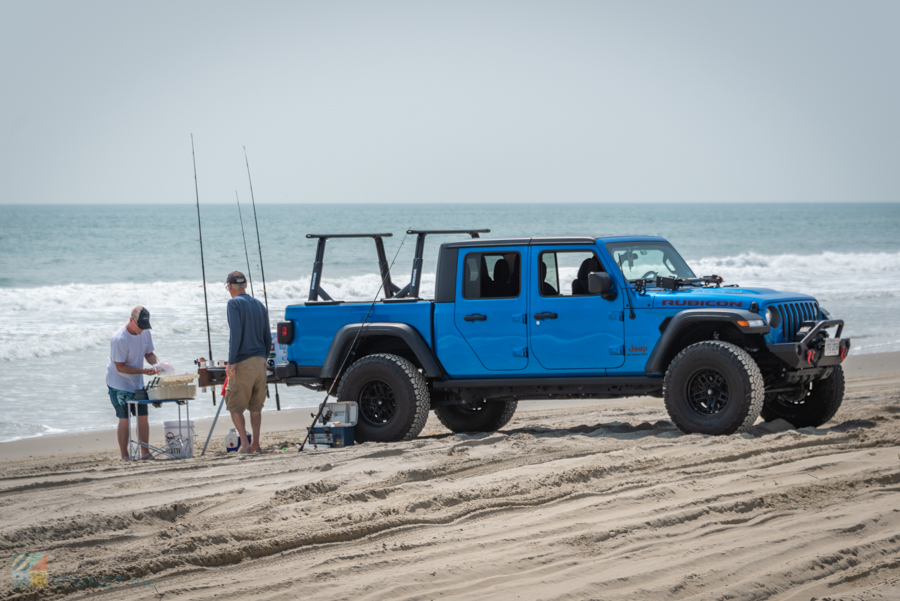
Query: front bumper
point(810, 352)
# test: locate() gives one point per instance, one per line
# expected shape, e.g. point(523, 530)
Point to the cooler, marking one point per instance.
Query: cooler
point(333, 436)
point(338, 431)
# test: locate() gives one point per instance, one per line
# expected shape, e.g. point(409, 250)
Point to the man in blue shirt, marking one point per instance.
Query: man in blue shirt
point(248, 348)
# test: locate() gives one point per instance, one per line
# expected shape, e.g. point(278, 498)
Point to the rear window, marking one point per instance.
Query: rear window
point(492, 275)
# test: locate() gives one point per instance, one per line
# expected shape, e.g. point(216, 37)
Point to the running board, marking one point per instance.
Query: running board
point(595, 382)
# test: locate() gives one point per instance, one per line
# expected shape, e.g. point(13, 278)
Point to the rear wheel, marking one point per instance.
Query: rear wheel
point(813, 405)
point(392, 396)
point(713, 387)
point(481, 416)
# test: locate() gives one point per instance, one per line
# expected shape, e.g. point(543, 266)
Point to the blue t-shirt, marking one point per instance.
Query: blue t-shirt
point(128, 349)
point(249, 325)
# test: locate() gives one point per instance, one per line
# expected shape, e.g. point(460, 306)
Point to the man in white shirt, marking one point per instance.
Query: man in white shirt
point(129, 347)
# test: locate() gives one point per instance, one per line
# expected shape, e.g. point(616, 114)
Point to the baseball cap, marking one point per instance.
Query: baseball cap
point(142, 317)
point(236, 277)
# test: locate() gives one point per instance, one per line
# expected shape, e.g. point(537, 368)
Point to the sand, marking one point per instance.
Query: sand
point(582, 500)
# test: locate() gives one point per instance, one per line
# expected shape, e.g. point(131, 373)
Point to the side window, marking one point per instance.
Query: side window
point(491, 275)
point(565, 272)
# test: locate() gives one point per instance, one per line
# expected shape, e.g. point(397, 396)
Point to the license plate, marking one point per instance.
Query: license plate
point(832, 347)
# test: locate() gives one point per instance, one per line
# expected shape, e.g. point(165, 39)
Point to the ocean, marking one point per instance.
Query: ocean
point(70, 274)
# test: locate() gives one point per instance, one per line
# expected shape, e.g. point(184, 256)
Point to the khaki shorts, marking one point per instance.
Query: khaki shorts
point(247, 389)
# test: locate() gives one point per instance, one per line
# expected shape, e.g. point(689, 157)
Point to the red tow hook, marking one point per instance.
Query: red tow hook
point(810, 357)
point(843, 353)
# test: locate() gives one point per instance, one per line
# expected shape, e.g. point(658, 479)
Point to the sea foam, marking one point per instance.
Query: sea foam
point(50, 320)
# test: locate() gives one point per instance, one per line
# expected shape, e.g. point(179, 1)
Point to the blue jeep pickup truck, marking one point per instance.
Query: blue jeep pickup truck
point(557, 318)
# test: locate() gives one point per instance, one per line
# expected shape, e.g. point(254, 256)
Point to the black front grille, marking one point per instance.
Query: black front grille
point(794, 314)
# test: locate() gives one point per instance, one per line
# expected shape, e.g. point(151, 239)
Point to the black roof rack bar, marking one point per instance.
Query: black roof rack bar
point(326, 236)
point(473, 233)
point(412, 289)
point(315, 285)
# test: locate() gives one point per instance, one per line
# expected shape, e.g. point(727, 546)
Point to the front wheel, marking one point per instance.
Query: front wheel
point(392, 396)
point(483, 416)
point(815, 404)
point(713, 387)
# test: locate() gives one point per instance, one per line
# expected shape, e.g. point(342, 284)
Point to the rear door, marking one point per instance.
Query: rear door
point(571, 328)
point(491, 304)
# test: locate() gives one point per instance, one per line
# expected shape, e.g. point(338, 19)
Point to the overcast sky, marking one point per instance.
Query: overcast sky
point(454, 101)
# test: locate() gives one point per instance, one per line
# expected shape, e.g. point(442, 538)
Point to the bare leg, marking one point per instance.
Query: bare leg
point(255, 423)
point(123, 438)
point(241, 425)
point(144, 436)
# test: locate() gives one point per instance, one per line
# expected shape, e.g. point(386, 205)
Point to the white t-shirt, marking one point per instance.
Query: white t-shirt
point(128, 349)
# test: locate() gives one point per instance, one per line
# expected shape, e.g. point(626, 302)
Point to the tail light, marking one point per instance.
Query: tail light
point(285, 332)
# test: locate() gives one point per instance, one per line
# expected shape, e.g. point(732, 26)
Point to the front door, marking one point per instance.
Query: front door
point(571, 328)
point(490, 306)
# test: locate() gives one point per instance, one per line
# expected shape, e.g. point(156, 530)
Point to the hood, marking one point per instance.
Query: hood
point(739, 298)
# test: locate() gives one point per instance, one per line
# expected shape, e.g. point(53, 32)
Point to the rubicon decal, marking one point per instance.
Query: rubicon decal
point(700, 303)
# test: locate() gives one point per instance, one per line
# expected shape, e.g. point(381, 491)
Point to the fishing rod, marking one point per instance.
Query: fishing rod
point(202, 262)
point(205, 301)
point(261, 268)
point(245, 242)
point(350, 351)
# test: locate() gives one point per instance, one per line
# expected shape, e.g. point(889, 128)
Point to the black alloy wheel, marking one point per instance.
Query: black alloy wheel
point(392, 396)
point(477, 415)
point(707, 392)
point(811, 405)
point(713, 387)
point(377, 402)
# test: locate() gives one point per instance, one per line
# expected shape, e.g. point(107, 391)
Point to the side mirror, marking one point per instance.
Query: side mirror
point(601, 283)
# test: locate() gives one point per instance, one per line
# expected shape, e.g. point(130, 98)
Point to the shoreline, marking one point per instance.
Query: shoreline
point(103, 441)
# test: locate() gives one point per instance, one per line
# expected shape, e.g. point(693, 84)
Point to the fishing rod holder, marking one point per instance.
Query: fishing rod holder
point(411, 290)
point(315, 285)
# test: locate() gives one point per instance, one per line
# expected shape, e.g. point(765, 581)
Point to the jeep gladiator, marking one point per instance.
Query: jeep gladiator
point(559, 318)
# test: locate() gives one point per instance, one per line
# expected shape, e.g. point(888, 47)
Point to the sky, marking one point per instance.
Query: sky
point(449, 102)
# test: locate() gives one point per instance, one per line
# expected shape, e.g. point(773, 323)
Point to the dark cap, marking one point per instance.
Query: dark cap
point(236, 277)
point(142, 317)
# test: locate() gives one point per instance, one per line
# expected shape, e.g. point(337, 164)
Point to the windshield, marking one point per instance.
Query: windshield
point(648, 259)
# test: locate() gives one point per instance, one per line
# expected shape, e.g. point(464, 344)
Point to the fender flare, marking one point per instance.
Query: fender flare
point(408, 334)
point(685, 319)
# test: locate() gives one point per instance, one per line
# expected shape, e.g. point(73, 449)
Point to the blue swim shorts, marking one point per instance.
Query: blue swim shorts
point(119, 397)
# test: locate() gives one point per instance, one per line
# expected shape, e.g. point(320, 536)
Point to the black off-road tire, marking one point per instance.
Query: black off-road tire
point(820, 404)
point(713, 387)
point(392, 395)
point(487, 416)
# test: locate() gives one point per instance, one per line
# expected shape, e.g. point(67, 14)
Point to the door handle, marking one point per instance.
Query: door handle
point(475, 317)
point(545, 315)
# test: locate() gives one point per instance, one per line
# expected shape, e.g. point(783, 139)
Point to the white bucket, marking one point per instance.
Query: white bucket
point(170, 430)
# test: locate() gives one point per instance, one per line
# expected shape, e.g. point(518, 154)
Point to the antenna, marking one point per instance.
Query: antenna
point(249, 276)
point(261, 269)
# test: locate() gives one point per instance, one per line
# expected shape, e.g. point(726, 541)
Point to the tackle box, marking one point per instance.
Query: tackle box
point(333, 436)
point(338, 430)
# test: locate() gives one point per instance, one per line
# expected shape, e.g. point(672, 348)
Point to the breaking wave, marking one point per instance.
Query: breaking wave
point(50, 320)
point(828, 276)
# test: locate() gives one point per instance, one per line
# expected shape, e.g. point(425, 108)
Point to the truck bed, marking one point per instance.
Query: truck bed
point(316, 323)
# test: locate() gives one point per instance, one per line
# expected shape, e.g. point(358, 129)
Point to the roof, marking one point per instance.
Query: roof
point(541, 240)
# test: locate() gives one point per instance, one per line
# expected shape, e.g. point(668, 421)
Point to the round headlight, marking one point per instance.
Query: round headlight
point(773, 317)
